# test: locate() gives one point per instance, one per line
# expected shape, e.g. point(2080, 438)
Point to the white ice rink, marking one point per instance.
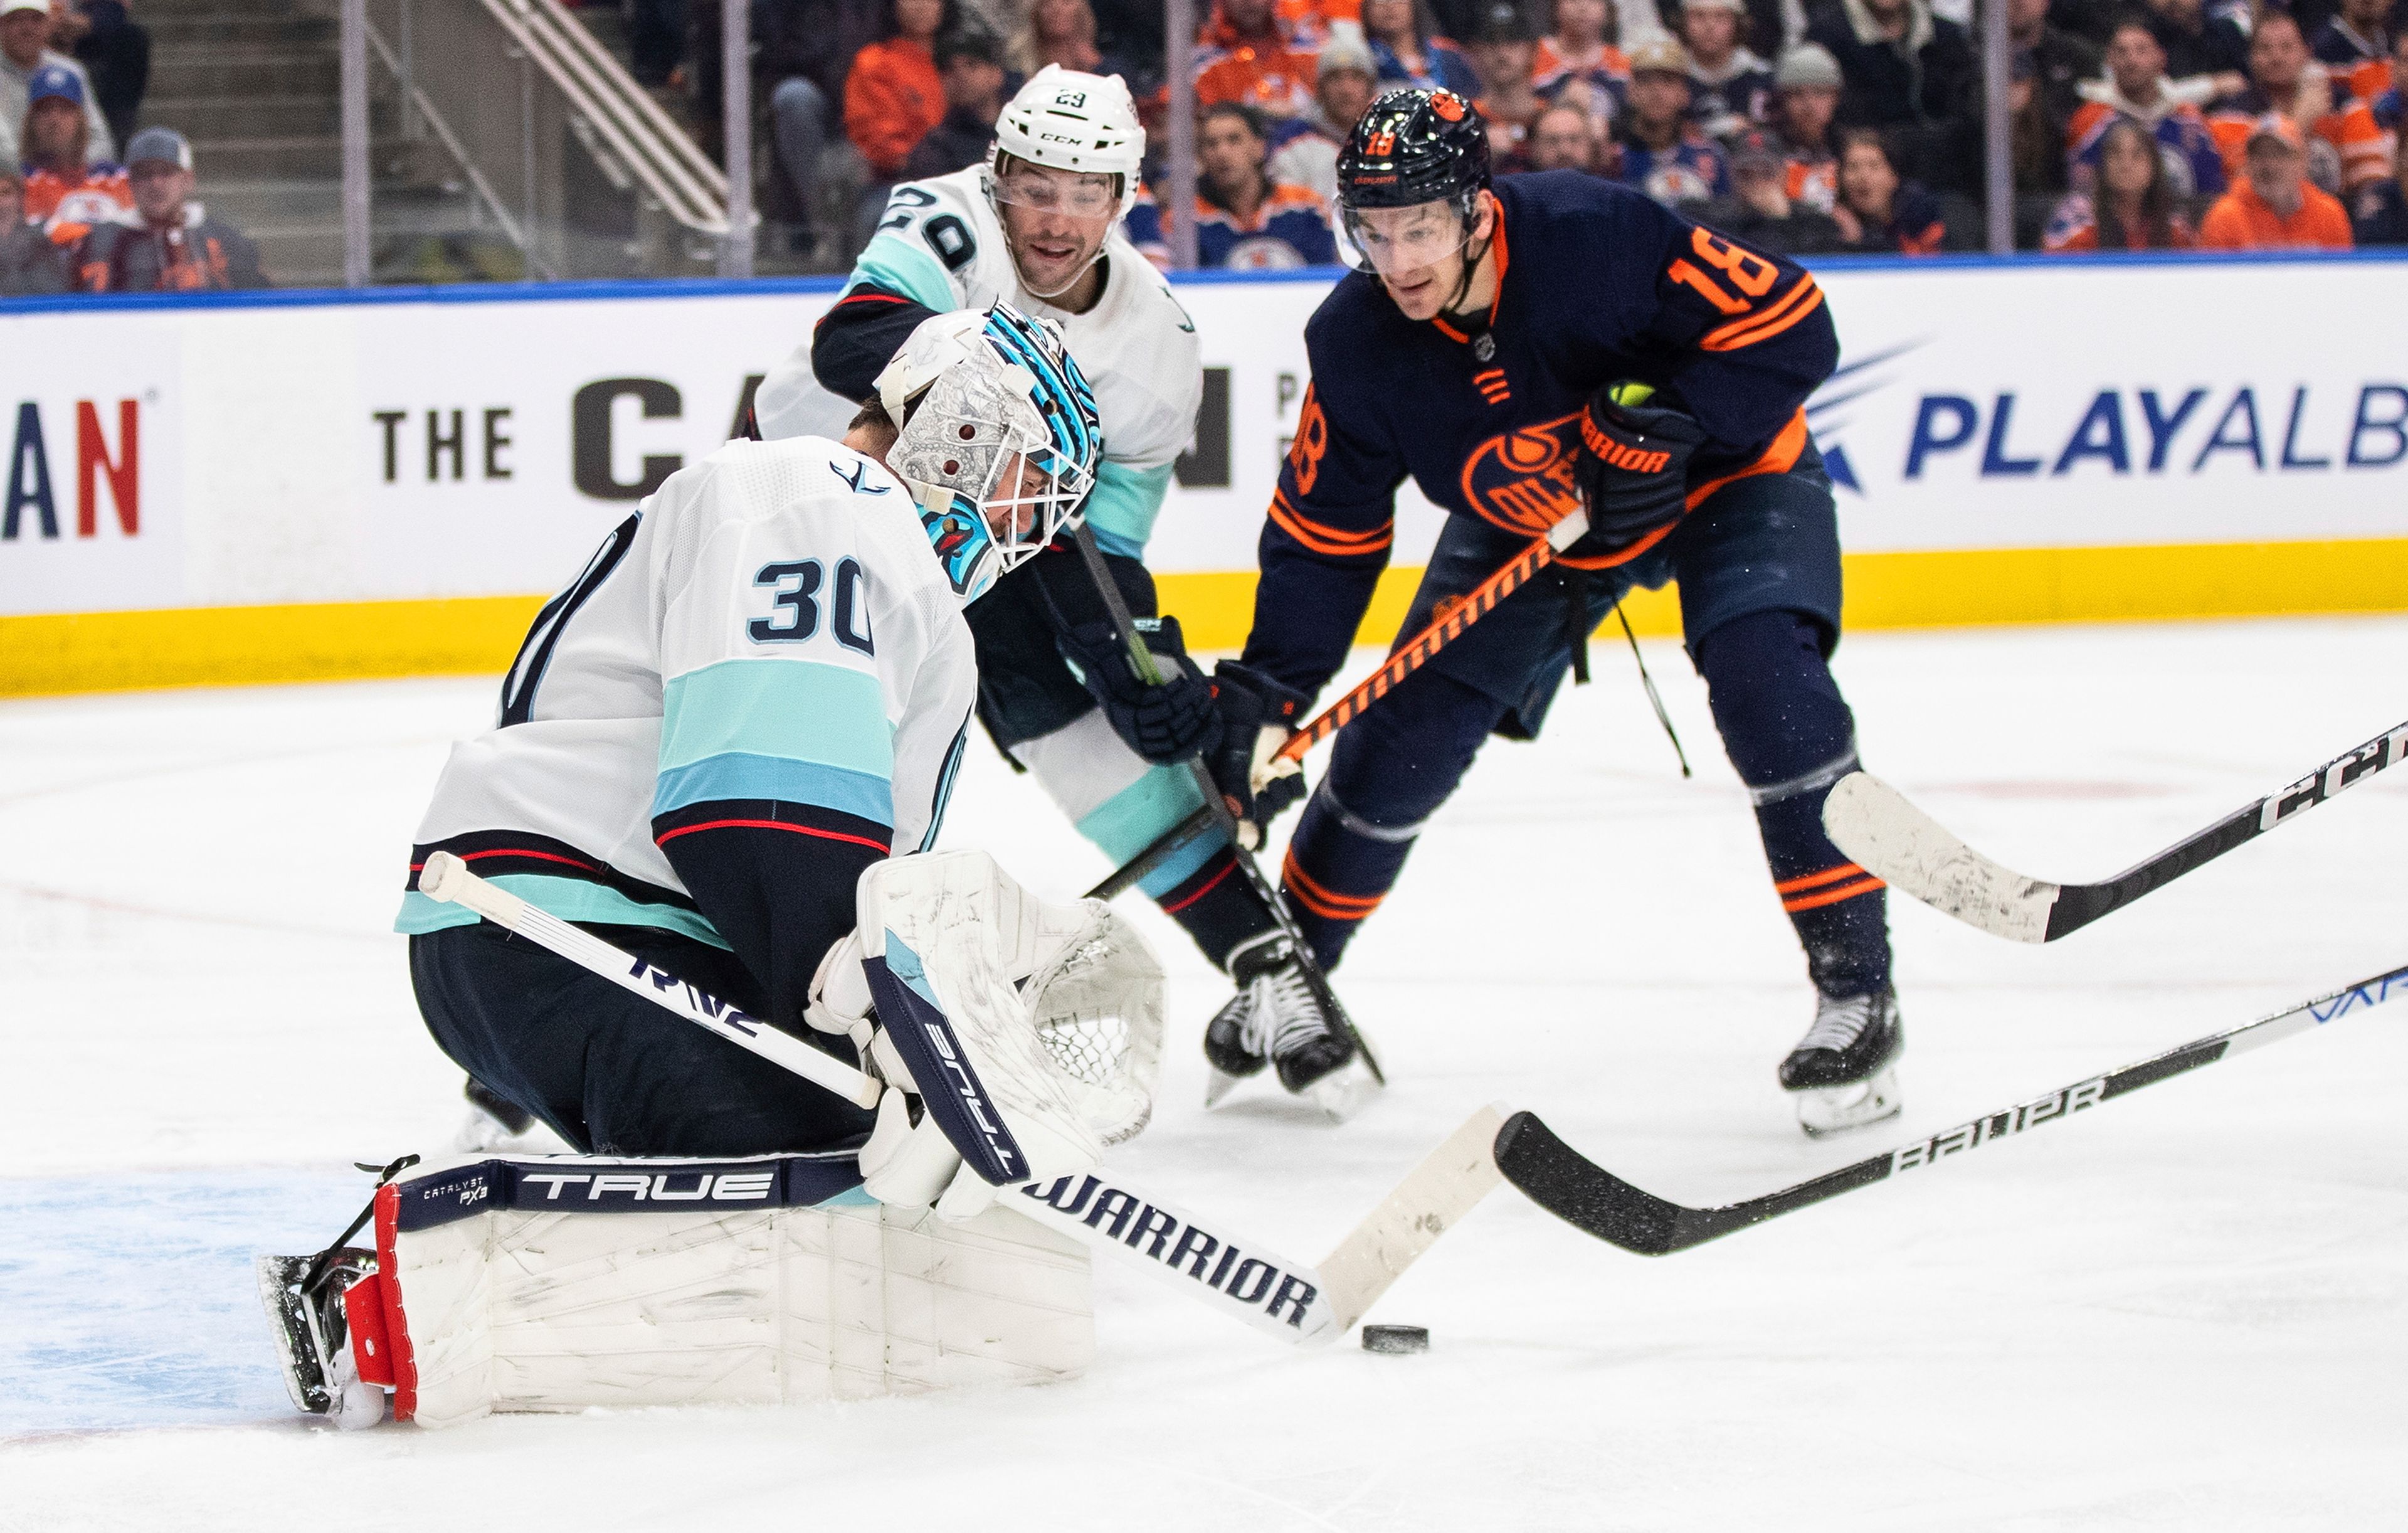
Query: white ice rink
point(2188, 1310)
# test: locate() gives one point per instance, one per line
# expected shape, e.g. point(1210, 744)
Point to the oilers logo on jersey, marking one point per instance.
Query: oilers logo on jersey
point(1522, 479)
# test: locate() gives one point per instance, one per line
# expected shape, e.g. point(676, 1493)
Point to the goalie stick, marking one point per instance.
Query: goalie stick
point(1892, 840)
point(1569, 1186)
point(1141, 660)
point(1300, 1305)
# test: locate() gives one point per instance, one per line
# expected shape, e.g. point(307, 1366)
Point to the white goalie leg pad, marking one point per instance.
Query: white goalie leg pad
point(1033, 1031)
point(558, 1284)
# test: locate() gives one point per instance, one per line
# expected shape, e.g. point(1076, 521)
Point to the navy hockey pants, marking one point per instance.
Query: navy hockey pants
point(1758, 565)
point(609, 1072)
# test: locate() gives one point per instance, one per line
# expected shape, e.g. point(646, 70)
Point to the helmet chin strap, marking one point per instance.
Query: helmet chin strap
point(1470, 267)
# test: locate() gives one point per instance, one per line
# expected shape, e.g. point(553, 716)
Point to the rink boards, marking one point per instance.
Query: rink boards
point(231, 488)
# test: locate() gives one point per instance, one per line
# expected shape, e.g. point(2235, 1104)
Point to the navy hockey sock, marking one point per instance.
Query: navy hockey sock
point(1391, 768)
point(1790, 735)
point(1217, 906)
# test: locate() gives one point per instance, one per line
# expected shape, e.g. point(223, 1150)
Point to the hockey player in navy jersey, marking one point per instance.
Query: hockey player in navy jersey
point(759, 686)
point(1525, 349)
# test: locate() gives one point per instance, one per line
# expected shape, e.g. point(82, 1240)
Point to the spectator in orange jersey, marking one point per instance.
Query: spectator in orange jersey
point(2356, 45)
point(1806, 94)
point(1249, 55)
point(2273, 206)
point(1879, 211)
point(29, 262)
point(2133, 209)
point(67, 192)
point(1312, 23)
point(2347, 149)
point(894, 94)
point(1581, 50)
point(176, 247)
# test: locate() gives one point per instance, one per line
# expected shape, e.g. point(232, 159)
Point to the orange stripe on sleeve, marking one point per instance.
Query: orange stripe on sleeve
point(1323, 539)
point(1802, 299)
point(1813, 881)
point(1778, 459)
point(1833, 896)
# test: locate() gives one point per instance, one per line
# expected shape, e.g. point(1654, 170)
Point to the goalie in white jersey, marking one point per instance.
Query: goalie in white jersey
point(1037, 225)
point(758, 687)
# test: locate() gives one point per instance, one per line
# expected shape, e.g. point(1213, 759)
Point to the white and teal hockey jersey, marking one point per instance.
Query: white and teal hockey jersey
point(941, 247)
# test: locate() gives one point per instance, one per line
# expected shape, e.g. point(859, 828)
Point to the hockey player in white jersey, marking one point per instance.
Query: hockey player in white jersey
point(1037, 224)
point(758, 687)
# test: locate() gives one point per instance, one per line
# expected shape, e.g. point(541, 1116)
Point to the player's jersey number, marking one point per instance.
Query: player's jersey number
point(945, 233)
point(796, 585)
point(1732, 267)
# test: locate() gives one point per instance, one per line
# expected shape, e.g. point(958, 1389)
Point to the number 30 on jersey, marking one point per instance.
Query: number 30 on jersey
point(798, 588)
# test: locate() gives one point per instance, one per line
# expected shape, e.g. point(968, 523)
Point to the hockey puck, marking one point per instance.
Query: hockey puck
point(1395, 1338)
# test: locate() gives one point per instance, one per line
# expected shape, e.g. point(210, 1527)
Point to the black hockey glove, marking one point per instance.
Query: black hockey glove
point(1634, 468)
point(1257, 715)
point(1165, 722)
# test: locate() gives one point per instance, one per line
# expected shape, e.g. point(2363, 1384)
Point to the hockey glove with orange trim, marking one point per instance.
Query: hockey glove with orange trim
point(1257, 715)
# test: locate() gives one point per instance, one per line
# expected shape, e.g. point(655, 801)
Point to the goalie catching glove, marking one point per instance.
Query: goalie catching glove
point(1018, 1038)
point(1633, 471)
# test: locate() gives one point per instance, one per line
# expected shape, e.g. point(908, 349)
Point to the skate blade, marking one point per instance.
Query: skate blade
point(1836, 1110)
point(1217, 1086)
point(288, 1322)
point(1344, 1091)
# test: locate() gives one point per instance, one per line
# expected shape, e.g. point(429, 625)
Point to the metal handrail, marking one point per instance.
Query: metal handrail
point(676, 139)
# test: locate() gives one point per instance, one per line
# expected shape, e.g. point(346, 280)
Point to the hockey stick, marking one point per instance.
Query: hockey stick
point(1300, 1305)
point(1569, 1186)
point(1141, 660)
point(1198, 821)
point(1889, 837)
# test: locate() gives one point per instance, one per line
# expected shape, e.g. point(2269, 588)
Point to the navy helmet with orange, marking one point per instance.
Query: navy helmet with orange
point(1415, 147)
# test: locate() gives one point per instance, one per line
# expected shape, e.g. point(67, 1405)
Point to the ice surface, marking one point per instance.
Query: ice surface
point(2188, 1310)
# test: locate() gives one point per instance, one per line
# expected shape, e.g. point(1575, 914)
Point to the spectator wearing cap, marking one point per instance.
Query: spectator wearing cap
point(1579, 58)
point(971, 66)
point(1345, 83)
point(2136, 86)
point(2133, 207)
point(1403, 34)
point(2356, 45)
point(67, 191)
point(1762, 213)
point(1879, 211)
point(29, 262)
point(1563, 137)
point(2273, 206)
point(2199, 36)
point(893, 95)
point(2346, 148)
point(1905, 68)
point(115, 53)
point(1805, 97)
point(24, 36)
point(175, 246)
point(1730, 87)
point(1244, 219)
point(1502, 52)
point(1249, 55)
point(1663, 153)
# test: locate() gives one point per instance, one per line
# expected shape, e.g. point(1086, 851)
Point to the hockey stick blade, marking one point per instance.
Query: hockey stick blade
point(1584, 1195)
point(1892, 840)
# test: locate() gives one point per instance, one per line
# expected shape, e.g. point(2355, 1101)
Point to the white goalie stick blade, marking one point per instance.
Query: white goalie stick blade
point(1432, 1198)
point(1892, 840)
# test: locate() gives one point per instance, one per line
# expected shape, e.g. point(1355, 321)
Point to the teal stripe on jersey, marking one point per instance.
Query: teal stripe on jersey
point(793, 710)
point(908, 267)
point(570, 899)
point(1127, 823)
point(737, 775)
point(1124, 503)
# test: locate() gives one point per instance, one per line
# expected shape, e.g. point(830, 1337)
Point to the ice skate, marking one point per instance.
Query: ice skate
point(493, 1122)
point(1283, 1014)
point(312, 1340)
point(1844, 1070)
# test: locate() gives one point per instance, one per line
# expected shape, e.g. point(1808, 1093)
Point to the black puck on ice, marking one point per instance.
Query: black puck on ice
point(1395, 1338)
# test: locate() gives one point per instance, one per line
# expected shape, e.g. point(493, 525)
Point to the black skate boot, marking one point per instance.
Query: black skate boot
point(1844, 1070)
point(1283, 1013)
point(493, 1121)
point(304, 1297)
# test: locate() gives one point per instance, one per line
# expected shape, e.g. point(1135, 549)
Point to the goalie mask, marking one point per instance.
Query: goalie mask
point(998, 442)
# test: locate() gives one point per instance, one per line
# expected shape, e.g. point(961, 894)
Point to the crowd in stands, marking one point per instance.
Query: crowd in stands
point(90, 202)
point(1808, 125)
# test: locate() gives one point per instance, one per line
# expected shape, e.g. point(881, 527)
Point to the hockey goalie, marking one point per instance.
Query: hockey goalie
point(707, 754)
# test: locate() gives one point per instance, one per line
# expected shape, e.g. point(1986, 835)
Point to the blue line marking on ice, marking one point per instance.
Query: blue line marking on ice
point(130, 1301)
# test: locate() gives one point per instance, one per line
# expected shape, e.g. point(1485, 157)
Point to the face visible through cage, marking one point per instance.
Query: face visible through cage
point(981, 436)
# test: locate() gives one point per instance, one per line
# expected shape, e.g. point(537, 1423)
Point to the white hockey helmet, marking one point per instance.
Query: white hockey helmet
point(979, 392)
point(1068, 119)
